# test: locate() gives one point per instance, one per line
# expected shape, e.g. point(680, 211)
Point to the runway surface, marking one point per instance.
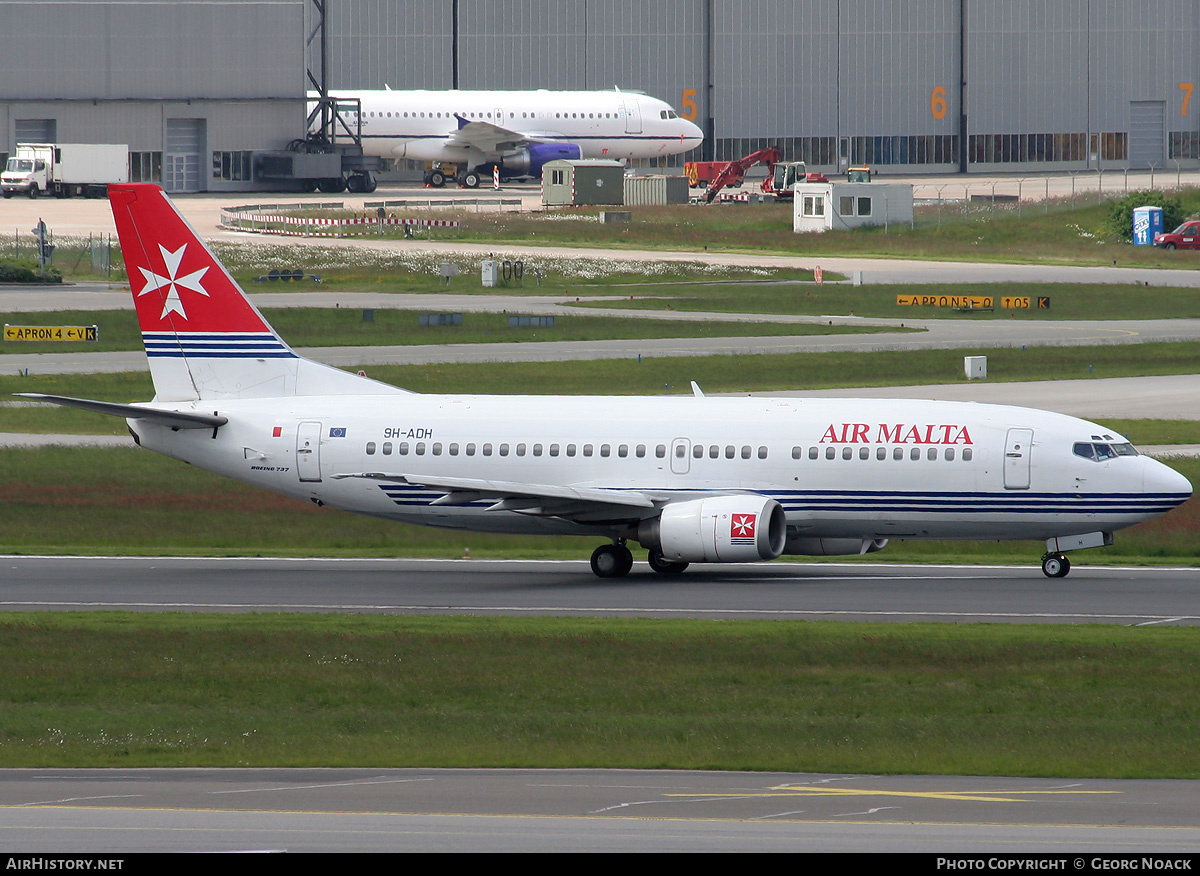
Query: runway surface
point(806, 591)
point(364, 810)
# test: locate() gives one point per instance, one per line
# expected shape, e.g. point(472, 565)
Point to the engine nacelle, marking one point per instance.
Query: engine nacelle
point(529, 161)
point(725, 529)
point(832, 547)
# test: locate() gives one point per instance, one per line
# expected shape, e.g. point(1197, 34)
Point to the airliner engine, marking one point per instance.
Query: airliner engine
point(725, 529)
point(529, 161)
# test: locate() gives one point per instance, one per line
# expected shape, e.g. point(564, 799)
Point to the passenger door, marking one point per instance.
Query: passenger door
point(1018, 447)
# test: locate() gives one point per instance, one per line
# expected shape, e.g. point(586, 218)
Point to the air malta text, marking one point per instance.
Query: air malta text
point(899, 433)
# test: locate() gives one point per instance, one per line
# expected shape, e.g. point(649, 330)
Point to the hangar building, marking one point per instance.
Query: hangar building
point(926, 86)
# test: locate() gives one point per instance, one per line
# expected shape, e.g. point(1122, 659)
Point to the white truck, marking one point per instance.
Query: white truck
point(65, 169)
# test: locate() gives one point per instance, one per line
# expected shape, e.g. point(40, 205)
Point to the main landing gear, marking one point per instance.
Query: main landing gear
point(615, 560)
point(612, 560)
point(1055, 565)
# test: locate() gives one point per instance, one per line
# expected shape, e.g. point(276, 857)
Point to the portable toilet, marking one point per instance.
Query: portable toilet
point(1147, 222)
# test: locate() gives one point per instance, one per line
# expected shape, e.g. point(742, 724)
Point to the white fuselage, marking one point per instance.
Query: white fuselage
point(604, 124)
point(845, 469)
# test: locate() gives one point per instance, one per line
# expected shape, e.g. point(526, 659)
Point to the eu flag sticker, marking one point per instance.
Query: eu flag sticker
point(337, 431)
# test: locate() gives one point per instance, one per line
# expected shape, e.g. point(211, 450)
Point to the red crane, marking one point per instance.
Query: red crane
point(735, 171)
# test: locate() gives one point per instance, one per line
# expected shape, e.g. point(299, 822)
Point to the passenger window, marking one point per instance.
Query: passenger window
point(453, 450)
point(762, 452)
point(830, 453)
point(730, 451)
point(387, 448)
point(470, 450)
point(915, 453)
point(403, 448)
point(570, 450)
point(554, 450)
point(623, 451)
point(680, 451)
point(813, 452)
point(604, 451)
point(504, 450)
point(931, 453)
point(847, 452)
point(796, 453)
point(697, 451)
point(746, 451)
point(660, 451)
point(949, 454)
point(370, 448)
point(967, 454)
point(537, 450)
point(864, 453)
point(437, 448)
point(881, 453)
point(420, 448)
point(520, 450)
point(587, 450)
point(641, 451)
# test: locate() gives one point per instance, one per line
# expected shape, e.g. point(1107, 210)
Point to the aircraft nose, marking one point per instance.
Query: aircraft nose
point(1165, 481)
point(691, 135)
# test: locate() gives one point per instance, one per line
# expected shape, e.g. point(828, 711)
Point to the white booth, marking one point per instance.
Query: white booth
point(839, 205)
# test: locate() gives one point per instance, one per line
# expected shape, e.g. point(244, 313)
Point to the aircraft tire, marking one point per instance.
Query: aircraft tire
point(471, 180)
point(437, 179)
point(662, 565)
point(1055, 566)
point(611, 561)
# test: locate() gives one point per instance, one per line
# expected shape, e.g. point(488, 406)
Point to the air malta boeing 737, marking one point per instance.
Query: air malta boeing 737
point(516, 131)
point(692, 479)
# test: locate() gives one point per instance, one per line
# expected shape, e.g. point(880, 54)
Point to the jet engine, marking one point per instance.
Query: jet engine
point(529, 161)
point(726, 529)
point(831, 547)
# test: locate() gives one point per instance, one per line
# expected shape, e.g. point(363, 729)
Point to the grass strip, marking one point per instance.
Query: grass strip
point(654, 375)
point(142, 690)
point(127, 501)
point(1066, 300)
point(342, 327)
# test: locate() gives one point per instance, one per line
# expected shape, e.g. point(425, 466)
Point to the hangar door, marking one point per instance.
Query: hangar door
point(181, 161)
point(1147, 141)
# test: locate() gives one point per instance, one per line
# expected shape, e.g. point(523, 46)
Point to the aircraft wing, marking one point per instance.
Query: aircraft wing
point(539, 500)
point(487, 137)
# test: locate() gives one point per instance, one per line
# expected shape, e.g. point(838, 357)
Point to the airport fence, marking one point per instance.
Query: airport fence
point(93, 254)
point(958, 199)
point(293, 220)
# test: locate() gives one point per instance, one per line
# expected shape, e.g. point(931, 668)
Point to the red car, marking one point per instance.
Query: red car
point(1186, 236)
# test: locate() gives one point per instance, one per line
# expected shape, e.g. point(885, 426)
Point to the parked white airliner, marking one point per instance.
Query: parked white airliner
point(518, 131)
point(693, 479)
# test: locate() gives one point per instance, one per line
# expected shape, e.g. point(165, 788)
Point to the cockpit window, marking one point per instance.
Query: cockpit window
point(1101, 452)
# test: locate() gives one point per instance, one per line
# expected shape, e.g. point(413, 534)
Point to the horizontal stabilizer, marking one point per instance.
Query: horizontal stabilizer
point(176, 419)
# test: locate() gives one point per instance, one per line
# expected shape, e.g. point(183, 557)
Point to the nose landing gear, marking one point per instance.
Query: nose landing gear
point(1055, 565)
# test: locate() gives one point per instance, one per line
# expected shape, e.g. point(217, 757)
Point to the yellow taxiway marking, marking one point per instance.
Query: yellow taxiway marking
point(962, 796)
